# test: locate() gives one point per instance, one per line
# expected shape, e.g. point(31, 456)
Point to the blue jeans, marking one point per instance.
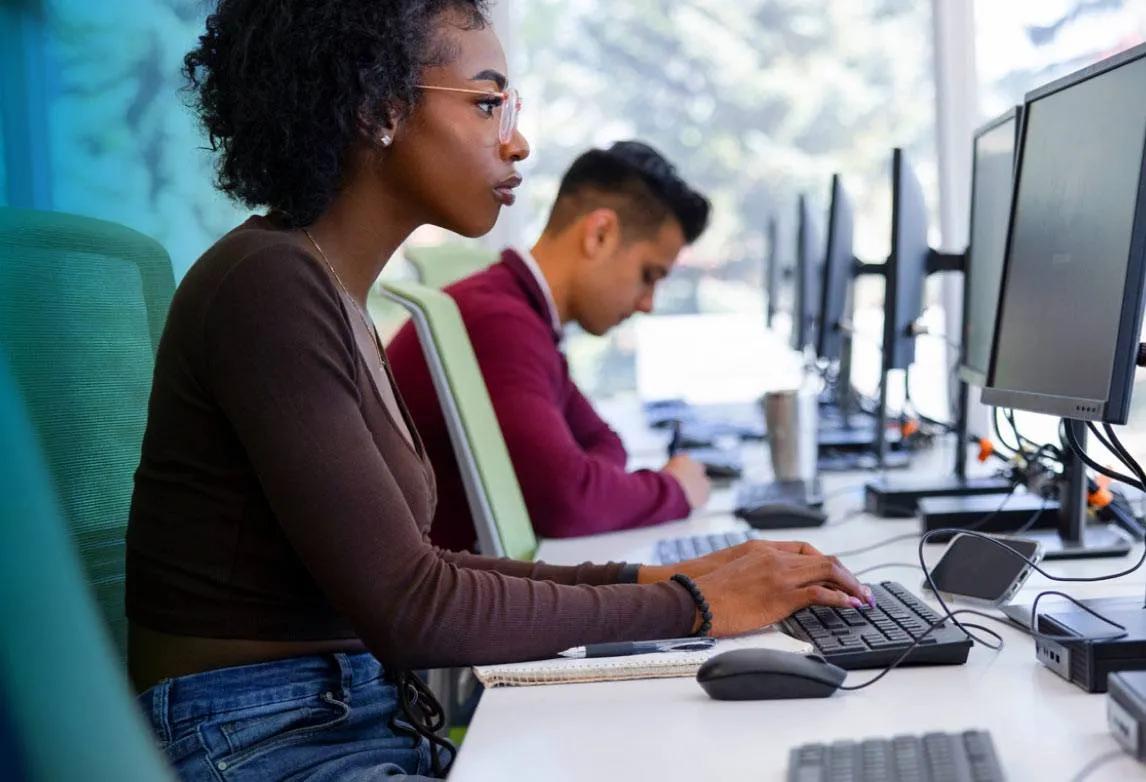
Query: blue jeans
point(323, 717)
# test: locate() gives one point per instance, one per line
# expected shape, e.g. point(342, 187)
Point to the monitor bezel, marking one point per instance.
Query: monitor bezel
point(772, 272)
point(967, 373)
point(1116, 408)
point(898, 341)
point(829, 331)
point(805, 304)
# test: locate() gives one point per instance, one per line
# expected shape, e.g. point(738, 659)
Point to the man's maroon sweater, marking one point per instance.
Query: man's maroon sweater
point(570, 464)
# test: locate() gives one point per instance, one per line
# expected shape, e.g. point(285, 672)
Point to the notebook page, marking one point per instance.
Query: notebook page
point(563, 670)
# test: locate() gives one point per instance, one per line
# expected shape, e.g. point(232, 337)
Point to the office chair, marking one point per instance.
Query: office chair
point(82, 306)
point(443, 264)
point(494, 495)
point(66, 708)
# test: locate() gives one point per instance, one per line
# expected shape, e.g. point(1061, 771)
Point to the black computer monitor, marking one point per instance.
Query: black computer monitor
point(992, 179)
point(906, 266)
point(808, 270)
point(1070, 311)
point(839, 267)
point(772, 271)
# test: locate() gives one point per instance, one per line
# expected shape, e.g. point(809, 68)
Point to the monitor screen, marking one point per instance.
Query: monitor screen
point(993, 166)
point(838, 268)
point(772, 271)
point(906, 266)
point(1070, 309)
point(808, 270)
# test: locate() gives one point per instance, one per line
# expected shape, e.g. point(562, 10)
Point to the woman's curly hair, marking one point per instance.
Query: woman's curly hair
point(284, 87)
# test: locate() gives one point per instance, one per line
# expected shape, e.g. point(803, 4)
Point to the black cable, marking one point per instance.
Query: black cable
point(1030, 522)
point(843, 490)
point(912, 535)
point(1101, 437)
point(424, 718)
point(1123, 453)
point(1032, 630)
point(999, 433)
point(1089, 461)
point(850, 516)
point(858, 573)
point(1033, 565)
point(916, 641)
point(1098, 763)
point(1024, 442)
point(874, 546)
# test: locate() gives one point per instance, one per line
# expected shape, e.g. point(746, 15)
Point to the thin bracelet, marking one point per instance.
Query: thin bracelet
point(701, 604)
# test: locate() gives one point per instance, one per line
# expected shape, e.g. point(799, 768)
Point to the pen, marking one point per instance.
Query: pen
point(640, 647)
point(674, 443)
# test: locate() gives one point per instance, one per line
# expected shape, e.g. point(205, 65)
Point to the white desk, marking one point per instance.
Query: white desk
point(1044, 727)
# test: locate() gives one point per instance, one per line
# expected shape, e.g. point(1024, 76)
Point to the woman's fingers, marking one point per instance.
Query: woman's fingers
point(828, 570)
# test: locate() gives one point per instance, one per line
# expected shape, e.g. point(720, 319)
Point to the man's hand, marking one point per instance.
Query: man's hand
point(689, 473)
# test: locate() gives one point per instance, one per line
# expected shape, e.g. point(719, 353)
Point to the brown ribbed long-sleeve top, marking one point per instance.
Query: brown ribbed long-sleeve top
point(278, 499)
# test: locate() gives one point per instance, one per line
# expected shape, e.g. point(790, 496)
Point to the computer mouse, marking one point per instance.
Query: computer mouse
point(768, 674)
point(722, 470)
point(781, 515)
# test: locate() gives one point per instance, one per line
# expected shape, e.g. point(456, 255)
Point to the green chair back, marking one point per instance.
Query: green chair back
point(64, 699)
point(82, 306)
point(495, 500)
point(440, 265)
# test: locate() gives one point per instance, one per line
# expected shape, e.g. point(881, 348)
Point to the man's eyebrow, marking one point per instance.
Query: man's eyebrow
point(491, 75)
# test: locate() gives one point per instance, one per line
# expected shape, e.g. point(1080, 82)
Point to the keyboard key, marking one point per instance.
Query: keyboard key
point(965, 757)
point(878, 637)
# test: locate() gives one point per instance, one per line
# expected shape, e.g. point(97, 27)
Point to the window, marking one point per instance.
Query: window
point(755, 102)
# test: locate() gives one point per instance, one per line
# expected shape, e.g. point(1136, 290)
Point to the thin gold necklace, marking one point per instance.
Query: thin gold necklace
point(357, 307)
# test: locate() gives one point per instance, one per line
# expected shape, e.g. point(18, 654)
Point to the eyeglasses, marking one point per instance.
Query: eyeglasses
point(510, 105)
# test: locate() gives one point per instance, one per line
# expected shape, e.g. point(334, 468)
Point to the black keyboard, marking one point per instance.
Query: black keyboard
point(934, 757)
point(753, 495)
point(876, 637)
point(674, 550)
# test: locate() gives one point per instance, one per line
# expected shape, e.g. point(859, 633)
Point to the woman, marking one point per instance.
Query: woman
point(280, 580)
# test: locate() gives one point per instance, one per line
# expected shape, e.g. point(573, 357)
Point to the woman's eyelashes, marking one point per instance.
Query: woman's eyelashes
point(488, 104)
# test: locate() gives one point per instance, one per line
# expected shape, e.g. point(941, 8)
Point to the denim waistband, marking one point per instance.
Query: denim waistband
point(200, 695)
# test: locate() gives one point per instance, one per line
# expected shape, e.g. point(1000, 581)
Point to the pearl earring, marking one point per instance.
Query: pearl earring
point(386, 140)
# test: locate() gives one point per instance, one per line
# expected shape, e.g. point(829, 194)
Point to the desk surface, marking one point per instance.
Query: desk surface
point(1044, 727)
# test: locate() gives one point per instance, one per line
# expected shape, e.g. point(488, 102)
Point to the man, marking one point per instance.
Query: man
point(620, 220)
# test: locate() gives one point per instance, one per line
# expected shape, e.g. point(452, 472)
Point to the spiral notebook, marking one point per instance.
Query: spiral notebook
point(638, 666)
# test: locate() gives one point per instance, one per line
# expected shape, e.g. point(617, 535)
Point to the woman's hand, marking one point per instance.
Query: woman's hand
point(694, 568)
point(771, 583)
point(759, 583)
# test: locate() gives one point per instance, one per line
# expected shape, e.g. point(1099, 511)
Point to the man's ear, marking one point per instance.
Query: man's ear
point(600, 233)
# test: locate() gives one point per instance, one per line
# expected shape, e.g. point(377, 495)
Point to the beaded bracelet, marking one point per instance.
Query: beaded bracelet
point(701, 603)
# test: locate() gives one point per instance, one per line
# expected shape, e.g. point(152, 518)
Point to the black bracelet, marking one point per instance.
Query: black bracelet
point(701, 603)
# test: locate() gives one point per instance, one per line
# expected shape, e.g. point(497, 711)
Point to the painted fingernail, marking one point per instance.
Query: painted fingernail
point(856, 602)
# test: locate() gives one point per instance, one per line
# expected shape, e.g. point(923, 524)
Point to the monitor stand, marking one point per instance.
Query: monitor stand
point(900, 496)
point(968, 512)
point(1073, 538)
point(851, 461)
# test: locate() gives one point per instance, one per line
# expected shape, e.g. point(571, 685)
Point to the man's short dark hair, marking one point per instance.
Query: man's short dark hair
point(635, 181)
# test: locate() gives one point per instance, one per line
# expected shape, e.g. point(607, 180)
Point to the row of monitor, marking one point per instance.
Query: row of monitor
point(1053, 292)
